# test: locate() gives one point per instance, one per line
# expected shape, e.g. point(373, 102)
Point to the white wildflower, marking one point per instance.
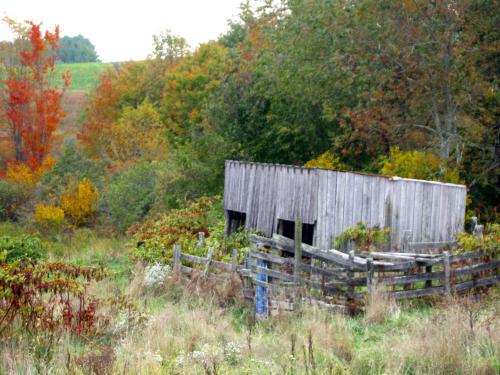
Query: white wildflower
point(156, 274)
point(180, 359)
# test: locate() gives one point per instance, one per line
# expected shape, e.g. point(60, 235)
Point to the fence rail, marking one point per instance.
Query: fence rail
point(282, 272)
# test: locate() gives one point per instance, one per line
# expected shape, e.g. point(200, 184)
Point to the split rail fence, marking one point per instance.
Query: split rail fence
point(278, 273)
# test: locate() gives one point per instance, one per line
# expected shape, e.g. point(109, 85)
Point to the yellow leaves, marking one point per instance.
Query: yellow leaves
point(20, 173)
point(190, 84)
point(419, 165)
point(47, 165)
point(327, 160)
point(49, 217)
point(137, 135)
point(80, 204)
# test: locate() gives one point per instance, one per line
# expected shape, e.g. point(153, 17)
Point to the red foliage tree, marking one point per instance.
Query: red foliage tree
point(33, 106)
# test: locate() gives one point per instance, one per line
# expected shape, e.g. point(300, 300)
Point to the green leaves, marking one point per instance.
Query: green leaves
point(21, 248)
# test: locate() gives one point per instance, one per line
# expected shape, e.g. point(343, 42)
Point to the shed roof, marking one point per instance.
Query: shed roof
point(354, 172)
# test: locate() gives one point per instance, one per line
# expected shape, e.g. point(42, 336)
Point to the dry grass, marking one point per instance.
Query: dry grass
point(199, 326)
point(459, 338)
point(380, 307)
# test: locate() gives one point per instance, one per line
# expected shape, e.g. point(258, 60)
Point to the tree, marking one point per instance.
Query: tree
point(32, 105)
point(126, 137)
point(189, 87)
point(76, 49)
point(125, 89)
point(169, 47)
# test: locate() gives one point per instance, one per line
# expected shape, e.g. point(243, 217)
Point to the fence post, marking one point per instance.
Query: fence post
point(428, 283)
point(298, 250)
point(177, 258)
point(201, 239)
point(369, 276)
point(209, 261)
point(234, 261)
point(446, 267)
point(350, 277)
point(262, 292)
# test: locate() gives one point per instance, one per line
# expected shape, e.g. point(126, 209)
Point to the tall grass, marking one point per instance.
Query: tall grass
point(202, 327)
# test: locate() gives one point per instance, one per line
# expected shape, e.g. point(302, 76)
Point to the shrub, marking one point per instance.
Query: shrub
point(70, 167)
point(489, 242)
point(419, 165)
point(365, 238)
point(327, 160)
point(49, 217)
point(12, 198)
point(21, 174)
point(192, 170)
point(130, 195)
point(41, 296)
point(80, 204)
point(178, 226)
point(25, 247)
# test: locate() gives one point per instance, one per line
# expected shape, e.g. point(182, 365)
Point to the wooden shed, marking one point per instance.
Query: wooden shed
point(270, 197)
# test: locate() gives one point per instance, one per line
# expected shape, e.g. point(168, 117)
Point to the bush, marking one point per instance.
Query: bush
point(25, 247)
point(130, 195)
point(41, 296)
point(72, 166)
point(489, 242)
point(21, 174)
point(365, 238)
point(192, 170)
point(49, 217)
point(327, 160)
point(158, 235)
point(419, 165)
point(12, 198)
point(80, 204)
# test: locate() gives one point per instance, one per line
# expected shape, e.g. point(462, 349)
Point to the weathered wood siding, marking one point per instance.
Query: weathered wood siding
point(334, 201)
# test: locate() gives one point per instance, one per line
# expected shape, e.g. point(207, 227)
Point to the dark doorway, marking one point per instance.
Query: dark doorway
point(235, 221)
point(287, 228)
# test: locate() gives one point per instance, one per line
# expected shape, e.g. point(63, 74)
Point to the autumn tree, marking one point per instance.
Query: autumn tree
point(169, 47)
point(32, 106)
point(189, 87)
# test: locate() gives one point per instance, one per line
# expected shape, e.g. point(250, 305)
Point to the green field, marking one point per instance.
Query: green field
point(84, 76)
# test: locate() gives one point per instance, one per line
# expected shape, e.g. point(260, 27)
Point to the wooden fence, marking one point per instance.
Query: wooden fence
point(278, 273)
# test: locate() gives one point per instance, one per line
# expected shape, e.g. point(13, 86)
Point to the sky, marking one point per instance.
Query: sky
point(122, 30)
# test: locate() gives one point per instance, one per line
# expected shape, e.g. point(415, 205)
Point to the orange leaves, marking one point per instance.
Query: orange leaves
point(33, 106)
point(102, 111)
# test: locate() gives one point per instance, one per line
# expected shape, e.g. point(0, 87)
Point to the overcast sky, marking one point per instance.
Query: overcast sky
point(123, 29)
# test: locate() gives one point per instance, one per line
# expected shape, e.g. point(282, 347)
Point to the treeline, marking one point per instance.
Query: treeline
point(408, 88)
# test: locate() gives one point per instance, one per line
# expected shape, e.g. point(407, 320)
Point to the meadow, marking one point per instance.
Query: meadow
point(84, 76)
point(179, 326)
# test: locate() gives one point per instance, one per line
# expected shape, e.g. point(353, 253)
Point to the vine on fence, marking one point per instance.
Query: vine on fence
point(489, 242)
point(365, 238)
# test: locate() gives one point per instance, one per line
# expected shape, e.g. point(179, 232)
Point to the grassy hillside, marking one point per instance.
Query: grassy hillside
point(84, 75)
